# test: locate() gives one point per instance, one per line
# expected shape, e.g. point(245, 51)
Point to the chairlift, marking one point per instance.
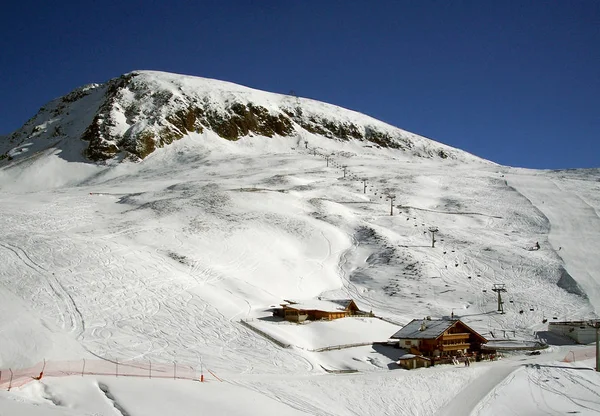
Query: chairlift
point(510, 301)
point(531, 309)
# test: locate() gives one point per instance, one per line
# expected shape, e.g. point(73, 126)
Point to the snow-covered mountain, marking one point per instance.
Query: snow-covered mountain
point(134, 114)
point(144, 218)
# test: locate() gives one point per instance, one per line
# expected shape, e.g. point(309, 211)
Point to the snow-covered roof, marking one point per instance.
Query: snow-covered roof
point(433, 329)
point(591, 322)
point(321, 305)
point(345, 303)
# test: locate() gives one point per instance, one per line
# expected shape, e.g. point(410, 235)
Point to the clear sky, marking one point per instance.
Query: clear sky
point(516, 82)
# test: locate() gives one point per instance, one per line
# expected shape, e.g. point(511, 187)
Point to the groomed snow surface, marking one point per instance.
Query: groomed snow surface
point(160, 261)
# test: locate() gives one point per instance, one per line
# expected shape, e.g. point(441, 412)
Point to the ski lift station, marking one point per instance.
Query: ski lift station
point(582, 332)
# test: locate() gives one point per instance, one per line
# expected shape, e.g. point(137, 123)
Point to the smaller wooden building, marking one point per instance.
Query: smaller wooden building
point(317, 309)
point(439, 338)
point(412, 361)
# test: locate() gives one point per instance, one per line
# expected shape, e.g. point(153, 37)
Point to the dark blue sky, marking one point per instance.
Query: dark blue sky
point(516, 82)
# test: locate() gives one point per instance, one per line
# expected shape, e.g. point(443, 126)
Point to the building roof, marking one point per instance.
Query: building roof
point(345, 303)
point(333, 305)
point(433, 329)
point(591, 322)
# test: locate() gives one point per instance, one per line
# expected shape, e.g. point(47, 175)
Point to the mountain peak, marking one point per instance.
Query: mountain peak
point(134, 114)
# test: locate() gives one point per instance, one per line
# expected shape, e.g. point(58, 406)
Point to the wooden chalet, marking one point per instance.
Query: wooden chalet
point(317, 309)
point(439, 338)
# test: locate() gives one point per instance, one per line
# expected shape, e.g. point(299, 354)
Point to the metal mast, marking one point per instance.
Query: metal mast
point(499, 288)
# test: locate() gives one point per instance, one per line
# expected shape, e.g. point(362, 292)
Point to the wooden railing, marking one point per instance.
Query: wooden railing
point(458, 335)
point(452, 347)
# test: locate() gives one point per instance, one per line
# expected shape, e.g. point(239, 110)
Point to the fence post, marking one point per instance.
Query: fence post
point(41, 372)
point(174, 370)
point(117, 363)
point(83, 368)
point(11, 377)
point(150, 373)
point(201, 370)
point(214, 375)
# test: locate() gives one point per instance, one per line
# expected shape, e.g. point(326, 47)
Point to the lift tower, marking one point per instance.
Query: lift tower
point(391, 198)
point(433, 230)
point(499, 288)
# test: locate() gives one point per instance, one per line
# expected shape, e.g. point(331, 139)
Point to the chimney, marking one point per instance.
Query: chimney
point(423, 326)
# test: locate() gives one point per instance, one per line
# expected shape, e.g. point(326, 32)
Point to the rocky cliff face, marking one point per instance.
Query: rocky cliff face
point(133, 115)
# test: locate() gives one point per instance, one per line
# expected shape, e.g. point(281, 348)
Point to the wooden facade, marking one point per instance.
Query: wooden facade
point(439, 338)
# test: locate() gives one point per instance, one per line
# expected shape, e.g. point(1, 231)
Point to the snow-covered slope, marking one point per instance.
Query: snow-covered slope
point(160, 260)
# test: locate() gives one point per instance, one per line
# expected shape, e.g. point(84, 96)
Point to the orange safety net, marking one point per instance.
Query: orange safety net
point(12, 377)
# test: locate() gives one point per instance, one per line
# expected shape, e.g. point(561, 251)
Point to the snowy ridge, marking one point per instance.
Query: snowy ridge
point(132, 115)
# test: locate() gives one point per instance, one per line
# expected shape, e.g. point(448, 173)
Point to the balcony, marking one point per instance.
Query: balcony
point(459, 335)
point(454, 347)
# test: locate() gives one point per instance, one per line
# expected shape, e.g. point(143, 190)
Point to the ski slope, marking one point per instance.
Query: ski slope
point(573, 208)
point(161, 260)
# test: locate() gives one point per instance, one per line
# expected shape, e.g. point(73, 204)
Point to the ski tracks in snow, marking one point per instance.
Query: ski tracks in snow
point(71, 317)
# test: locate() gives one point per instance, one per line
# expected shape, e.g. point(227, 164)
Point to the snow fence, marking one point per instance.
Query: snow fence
point(10, 377)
